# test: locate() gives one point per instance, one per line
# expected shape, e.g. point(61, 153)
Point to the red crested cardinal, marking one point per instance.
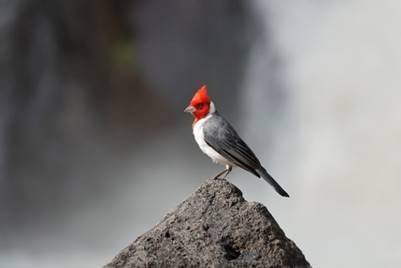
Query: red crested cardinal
point(218, 139)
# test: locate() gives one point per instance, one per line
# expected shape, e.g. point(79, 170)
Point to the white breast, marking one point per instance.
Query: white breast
point(209, 151)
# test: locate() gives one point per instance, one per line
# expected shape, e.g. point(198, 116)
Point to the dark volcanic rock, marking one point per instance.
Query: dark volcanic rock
point(215, 227)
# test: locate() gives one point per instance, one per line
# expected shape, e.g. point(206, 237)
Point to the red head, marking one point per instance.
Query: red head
point(200, 104)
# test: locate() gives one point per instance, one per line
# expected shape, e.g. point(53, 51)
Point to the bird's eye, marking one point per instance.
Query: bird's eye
point(199, 106)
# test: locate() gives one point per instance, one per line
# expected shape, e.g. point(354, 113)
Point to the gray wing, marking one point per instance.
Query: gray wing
point(221, 136)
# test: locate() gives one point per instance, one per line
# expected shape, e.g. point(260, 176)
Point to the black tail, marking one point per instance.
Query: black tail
point(266, 176)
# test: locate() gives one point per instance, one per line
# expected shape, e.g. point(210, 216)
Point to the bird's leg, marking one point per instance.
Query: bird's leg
point(218, 175)
point(225, 172)
point(228, 169)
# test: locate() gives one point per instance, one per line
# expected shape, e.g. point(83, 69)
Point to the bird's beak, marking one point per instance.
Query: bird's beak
point(190, 109)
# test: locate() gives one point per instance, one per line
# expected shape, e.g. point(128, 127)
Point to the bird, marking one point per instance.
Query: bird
point(218, 139)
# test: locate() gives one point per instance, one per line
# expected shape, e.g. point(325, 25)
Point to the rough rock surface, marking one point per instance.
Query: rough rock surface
point(215, 227)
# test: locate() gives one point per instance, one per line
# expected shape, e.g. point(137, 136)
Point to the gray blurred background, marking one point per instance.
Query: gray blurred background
point(95, 149)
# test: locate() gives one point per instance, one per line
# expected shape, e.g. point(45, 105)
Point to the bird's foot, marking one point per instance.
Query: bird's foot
point(223, 175)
